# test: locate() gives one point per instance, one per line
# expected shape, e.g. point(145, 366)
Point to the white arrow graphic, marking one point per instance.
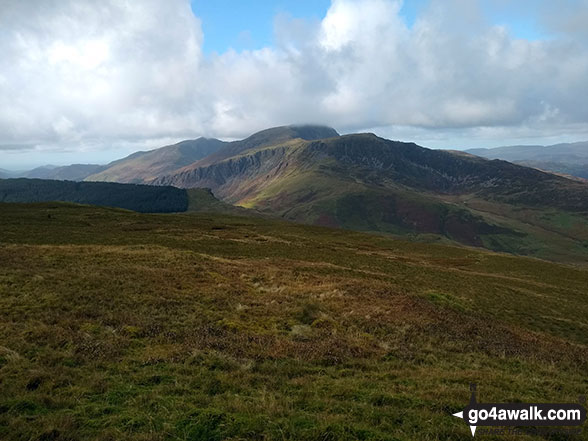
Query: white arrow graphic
point(460, 415)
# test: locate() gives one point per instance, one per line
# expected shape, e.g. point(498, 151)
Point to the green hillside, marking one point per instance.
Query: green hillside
point(362, 182)
point(142, 167)
point(203, 201)
point(142, 198)
point(116, 325)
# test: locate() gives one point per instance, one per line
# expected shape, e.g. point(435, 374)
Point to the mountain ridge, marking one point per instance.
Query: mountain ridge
point(141, 167)
point(313, 175)
point(73, 172)
point(268, 137)
point(367, 183)
point(564, 158)
point(406, 163)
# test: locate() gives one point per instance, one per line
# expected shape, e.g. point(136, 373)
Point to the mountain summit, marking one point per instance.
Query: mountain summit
point(144, 167)
point(269, 137)
point(364, 182)
point(310, 174)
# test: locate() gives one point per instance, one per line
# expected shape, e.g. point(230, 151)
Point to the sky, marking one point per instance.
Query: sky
point(89, 82)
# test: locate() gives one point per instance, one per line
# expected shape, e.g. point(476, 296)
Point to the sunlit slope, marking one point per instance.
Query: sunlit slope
point(142, 167)
point(119, 325)
point(366, 183)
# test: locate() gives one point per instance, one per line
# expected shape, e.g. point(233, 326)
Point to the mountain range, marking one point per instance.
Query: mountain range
point(311, 174)
point(363, 182)
point(568, 158)
point(137, 168)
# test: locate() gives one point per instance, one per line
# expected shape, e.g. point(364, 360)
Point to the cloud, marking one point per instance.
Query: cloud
point(17, 147)
point(570, 21)
point(452, 69)
point(81, 69)
point(85, 72)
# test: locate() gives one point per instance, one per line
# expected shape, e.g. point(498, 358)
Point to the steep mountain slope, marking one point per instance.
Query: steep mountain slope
point(368, 183)
point(268, 137)
point(142, 167)
point(568, 158)
point(74, 172)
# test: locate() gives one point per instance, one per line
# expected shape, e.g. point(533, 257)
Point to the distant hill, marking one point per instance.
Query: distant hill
point(142, 167)
point(75, 172)
point(137, 168)
point(39, 172)
point(6, 174)
point(142, 198)
point(367, 183)
point(570, 159)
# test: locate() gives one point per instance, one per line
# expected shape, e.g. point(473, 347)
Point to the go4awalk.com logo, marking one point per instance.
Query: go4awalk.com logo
point(521, 414)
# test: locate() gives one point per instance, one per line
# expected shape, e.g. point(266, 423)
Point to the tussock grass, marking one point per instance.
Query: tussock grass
point(115, 326)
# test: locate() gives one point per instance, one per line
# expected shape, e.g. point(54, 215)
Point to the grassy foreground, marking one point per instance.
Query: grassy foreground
point(116, 325)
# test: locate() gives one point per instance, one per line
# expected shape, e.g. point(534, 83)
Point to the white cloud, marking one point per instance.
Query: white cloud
point(83, 69)
point(81, 72)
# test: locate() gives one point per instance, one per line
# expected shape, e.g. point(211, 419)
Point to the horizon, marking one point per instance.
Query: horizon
point(42, 165)
point(88, 84)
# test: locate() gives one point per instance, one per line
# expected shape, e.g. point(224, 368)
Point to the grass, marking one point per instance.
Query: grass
point(326, 195)
point(122, 326)
point(202, 200)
